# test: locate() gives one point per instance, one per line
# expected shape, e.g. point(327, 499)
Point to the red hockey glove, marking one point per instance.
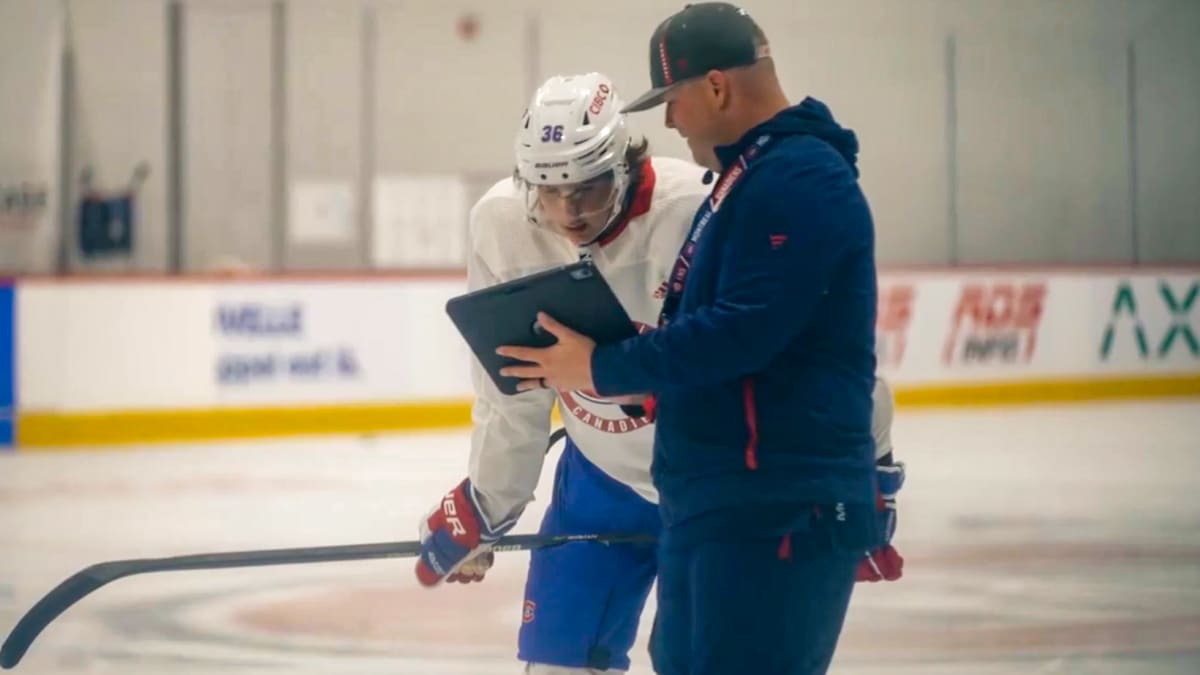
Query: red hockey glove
point(456, 539)
point(883, 563)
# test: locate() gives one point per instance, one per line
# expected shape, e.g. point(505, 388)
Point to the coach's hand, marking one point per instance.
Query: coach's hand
point(565, 365)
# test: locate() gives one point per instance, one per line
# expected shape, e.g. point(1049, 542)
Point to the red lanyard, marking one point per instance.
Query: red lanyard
point(683, 264)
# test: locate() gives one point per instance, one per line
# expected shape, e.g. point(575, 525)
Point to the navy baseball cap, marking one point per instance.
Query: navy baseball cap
point(701, 37)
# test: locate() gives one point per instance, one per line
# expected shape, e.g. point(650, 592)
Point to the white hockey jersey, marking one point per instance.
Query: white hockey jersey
point(508, 443)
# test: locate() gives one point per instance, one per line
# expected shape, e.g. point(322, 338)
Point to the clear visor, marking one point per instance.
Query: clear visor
point(576, 206)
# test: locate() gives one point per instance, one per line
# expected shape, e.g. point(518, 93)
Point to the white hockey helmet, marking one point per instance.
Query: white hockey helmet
point(571, 133)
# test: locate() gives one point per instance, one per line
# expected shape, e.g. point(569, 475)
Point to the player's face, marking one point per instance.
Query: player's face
point(692, 110)
point(579, 211)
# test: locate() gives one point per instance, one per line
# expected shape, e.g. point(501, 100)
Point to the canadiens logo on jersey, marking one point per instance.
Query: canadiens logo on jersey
point(600, 413)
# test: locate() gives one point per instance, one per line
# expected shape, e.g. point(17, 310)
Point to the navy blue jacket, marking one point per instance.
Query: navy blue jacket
point(764, 374)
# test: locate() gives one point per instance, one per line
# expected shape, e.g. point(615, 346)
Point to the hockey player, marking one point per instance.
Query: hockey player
point(582, 188)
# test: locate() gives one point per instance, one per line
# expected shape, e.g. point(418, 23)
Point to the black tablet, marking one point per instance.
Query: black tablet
point(506, 314)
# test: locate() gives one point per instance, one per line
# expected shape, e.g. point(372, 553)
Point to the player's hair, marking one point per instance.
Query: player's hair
point(637, 153)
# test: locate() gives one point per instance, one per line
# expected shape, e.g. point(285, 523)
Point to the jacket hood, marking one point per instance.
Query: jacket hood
point(812, 118)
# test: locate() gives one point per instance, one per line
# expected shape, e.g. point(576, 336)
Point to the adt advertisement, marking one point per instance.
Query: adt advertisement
point(8, 387)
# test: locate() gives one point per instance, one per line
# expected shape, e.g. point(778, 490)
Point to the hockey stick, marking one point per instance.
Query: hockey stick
point(80, 584)
point(84, 582)
point(555, 437)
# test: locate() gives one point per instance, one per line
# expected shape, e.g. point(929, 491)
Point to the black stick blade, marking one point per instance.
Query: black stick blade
point(75, 588)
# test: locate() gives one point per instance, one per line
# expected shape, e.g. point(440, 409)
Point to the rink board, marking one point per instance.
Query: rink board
point(103, 361)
